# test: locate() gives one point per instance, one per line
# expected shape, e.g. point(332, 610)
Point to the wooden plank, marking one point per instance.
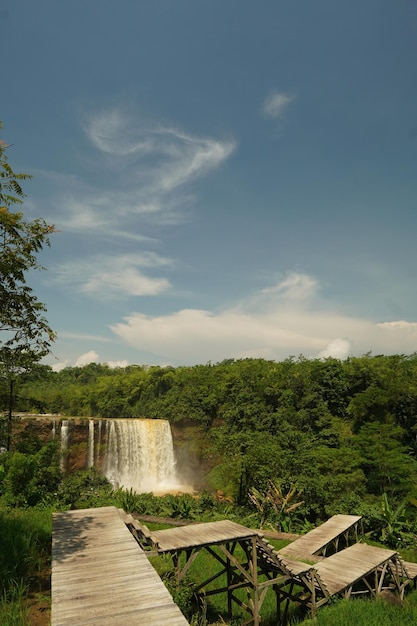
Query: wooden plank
point(411, 569)
point(101, 576)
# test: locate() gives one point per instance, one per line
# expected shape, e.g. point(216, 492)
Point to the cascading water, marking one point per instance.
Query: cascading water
point(90, 460)
point(64, 442)
point(140, 455)
point(98, 447)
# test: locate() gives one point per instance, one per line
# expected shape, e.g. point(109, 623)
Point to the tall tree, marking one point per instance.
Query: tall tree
point(25, 335)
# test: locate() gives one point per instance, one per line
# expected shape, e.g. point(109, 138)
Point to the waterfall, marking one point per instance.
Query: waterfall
point(140, 455)
point(96, 462)
point(90, 460)
point(64, 442)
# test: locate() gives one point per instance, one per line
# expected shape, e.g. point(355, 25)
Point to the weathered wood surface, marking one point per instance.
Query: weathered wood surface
point(411, 569)
point(341, 570)
point(195, 535)
point(317, 539)
point(101, 577)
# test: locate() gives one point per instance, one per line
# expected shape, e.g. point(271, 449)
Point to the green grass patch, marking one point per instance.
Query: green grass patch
point(366, 612)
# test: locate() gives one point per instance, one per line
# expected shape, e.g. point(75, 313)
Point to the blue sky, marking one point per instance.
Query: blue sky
point(229, 178)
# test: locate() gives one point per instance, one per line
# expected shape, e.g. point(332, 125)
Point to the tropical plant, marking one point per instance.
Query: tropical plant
point(276, 506)
point(397, 529)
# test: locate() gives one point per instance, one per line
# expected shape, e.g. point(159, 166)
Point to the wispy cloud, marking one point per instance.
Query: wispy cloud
point(162, 158)
point(140, 175)
point(276, 328)
point(276, 104)
point(165, 157)
point(109, 276)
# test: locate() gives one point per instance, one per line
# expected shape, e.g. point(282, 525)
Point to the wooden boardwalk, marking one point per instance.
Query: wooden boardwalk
point(331, 534)
point(343, 570)
point(194, 535)
point(101, 576)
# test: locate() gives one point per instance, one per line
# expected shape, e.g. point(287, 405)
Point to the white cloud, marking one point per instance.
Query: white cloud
point(112, 276)
point(338, 349)
point(409, 326)
point(276, 328)
point(115, 364)
point(57, 367)
point(85, 359)
point(295, 286)
point(276, 103)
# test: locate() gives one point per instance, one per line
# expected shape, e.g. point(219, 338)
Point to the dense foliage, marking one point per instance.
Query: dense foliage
point(343, 432)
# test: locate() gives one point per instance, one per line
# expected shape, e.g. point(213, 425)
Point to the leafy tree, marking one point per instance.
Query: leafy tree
point(385, 462)
point(25, 335)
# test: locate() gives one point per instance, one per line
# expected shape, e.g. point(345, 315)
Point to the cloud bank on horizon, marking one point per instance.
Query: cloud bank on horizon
point(228, 180)
point(286, 320)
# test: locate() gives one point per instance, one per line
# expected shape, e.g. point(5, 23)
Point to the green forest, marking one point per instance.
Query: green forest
point(344, 433)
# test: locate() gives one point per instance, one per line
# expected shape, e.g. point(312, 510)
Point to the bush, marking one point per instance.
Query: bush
point(84, 489)
point(31, 479)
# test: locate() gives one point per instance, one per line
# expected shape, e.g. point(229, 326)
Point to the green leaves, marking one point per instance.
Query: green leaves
point(25, 333)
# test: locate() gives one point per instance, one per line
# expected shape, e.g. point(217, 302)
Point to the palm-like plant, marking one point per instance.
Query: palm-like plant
point(397, 523)
point(276, 504)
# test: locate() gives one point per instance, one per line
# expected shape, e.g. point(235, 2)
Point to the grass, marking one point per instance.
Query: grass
point(366, 613)
point(13, 605)
point(25, 537)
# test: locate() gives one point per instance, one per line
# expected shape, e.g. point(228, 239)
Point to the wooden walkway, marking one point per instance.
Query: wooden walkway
point(101, 576)
point(195, 535)
point(330, 535)
point(348, 570)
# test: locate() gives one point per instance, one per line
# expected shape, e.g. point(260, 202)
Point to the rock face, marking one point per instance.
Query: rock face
point(90, 442)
